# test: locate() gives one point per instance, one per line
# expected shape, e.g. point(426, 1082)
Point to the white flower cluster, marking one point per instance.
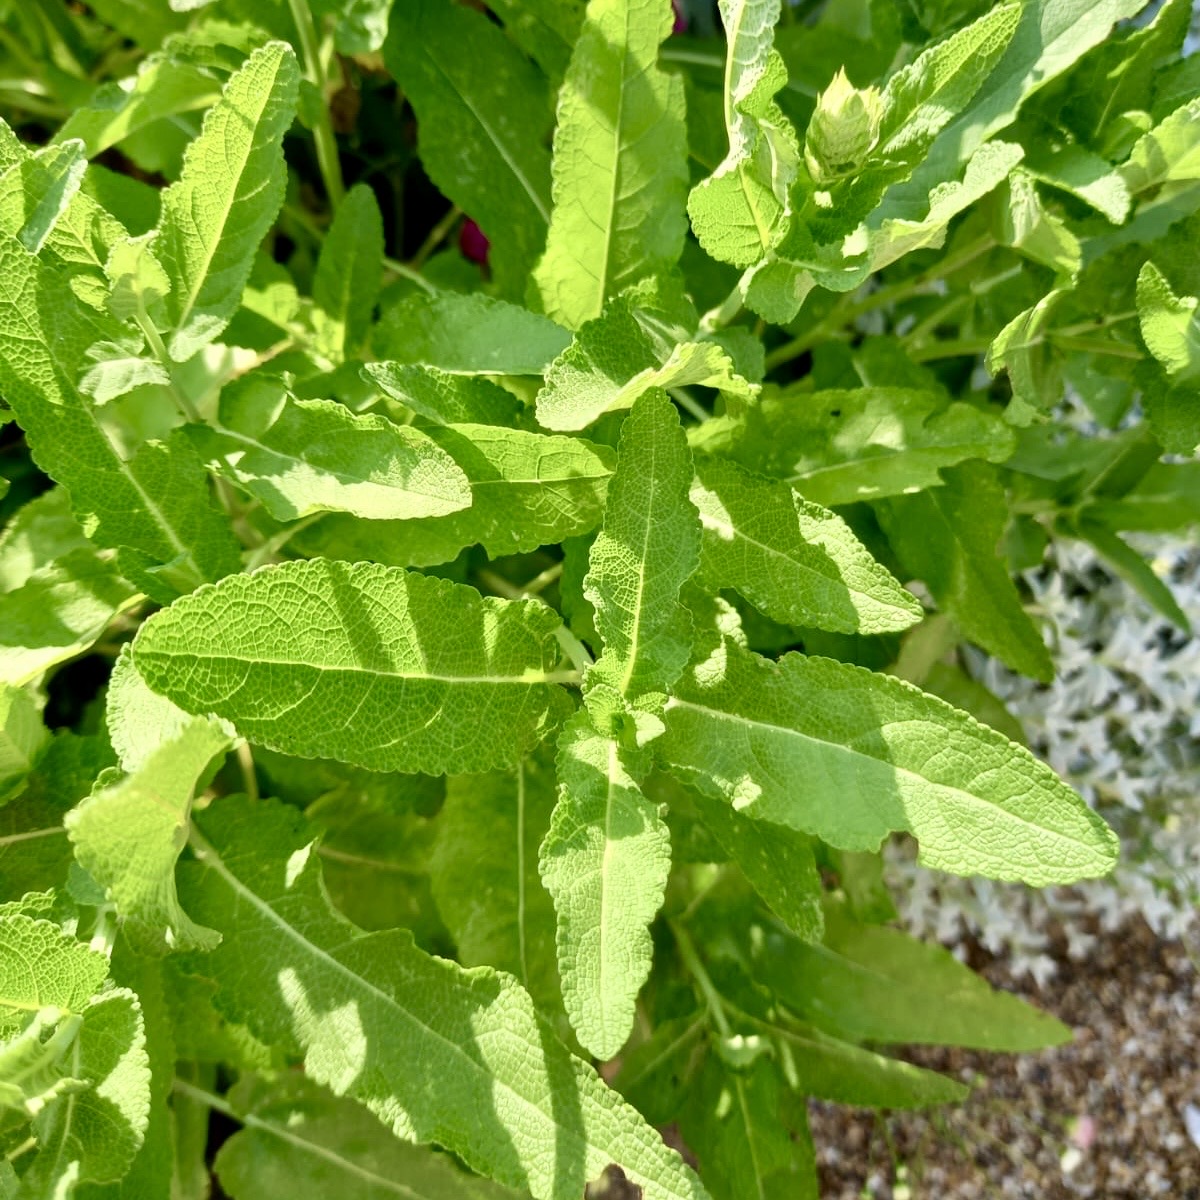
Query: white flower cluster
point(1121, 722)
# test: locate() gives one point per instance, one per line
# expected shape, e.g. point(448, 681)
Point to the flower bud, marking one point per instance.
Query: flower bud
point(843, 130)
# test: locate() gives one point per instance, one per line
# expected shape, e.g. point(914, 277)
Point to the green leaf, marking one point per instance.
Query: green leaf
point(366, 664)
point(741, 211)
point(950, 537)
point(226, 199)
point(445, 399)
point(469, 335)
point(32, 1073)
point(43, 967)
point(35, 192)
point(153, 506)
point(292, 1129)
point(58, 612)
point(1021, 349)
point(545, 29)
point(620, 163)
point(795, 561)
point(1169, 325)
point(484, 875)
point(1033, 229)
point(128, 835)
point(39, 532)
point(527, 490)
point(22, 737)
point(838, 447)
point(849, 755)
point(441, 1054)
point(647, 549)
point(92, 1135)
point(301, 457)
point(1136, 571)
point(614, 360)
point(778, 862)
point(1170, 152)
point(605, 861)
point(349, 272)
point(869, 983)
point(434, 50)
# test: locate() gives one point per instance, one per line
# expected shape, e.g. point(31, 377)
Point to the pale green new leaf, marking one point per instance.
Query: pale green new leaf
point(613, 361)
point(469, 335)
point(226, 199)
point(620, 163)
point(445, 399)
point(440, 1053)
point(308, 456)
point(1169, 324)
point(646, 551)
point(154, 506)
point(91, 1135)
point(840, 446)
point(605, 861)
point(292, 1129)
point(1170, 152)
point(32, 1073)
point(1027, 225)
point(35, 192)
point(349, 272)
point(366, 664)
point(128, 835)
point(1033, 366)
point(950, 537)
point(483, 872)
point(35, 535)
point(849, 755)
point(741, 211)
point(527, 490)
point(42, 967)
point(797, 562)
point(22, 737)
point(481, 131)
point(58, 612)
point(870, 983)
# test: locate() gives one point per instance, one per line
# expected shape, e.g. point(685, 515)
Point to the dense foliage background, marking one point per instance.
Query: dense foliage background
point(507, 509)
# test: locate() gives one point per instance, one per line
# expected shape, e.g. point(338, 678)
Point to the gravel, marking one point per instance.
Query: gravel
point(1104, 1116)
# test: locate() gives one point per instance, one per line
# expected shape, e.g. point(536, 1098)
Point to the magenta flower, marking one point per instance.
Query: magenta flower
point(681, 21)
point(473, 242)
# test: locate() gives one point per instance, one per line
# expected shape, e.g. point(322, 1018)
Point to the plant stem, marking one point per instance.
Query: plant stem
point(327, 151)
point(398, 268)
point(274, 544)
point(245, 757)
point(436, 236)
point(159, 350)
point(691, 960)
point(207, 1098)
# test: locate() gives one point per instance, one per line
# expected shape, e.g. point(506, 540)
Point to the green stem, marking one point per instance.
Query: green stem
point(691, 960)
point(398, 268)
point(685, 400)
point(245, 757)
point(436, 236)
point(159, 350)
point(726, 311)
point(314, 70)
point(273, 545)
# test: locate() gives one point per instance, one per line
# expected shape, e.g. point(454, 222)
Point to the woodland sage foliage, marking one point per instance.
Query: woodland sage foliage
point(424, 683)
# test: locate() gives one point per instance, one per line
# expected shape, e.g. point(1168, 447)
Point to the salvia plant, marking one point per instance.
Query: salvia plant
point(453, 699)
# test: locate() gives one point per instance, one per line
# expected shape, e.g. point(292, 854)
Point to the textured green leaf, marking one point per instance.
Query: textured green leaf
point(838, 447)
point(527, 490)
point(1170, 152)
point(301, 457)
point(620, 163)
point(226, 199)
point(869, 983)
point(439, 1053)
point(366, 664)
point(35, 192)
point(613, 361)
point(545, 29)
point(647, 549)
point(92, 1135)
point(1027, 225)
point(741, 211)
point(484, 875)
point(39, 532)
point(849, 755)
point(58, 612)
point(153, 506)
point(349, 272)
point(797, 562)
point(434, 50)
point(950, 537)
point(32, 1071)
point(292, 1129)
point(42, 967)
point(22, 736)
point(1033, 366)
point(1169, 324)
point(1086, 175)
point(443, 398)
point(778, 862)
point(469, 335)
point(128, 835)
point(605, 861)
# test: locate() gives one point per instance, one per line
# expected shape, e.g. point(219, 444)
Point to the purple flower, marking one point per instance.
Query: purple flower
point(681, 21)
point(473, 243)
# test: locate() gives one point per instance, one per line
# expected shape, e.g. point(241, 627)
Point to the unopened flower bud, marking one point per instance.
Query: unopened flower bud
point(843, 130)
